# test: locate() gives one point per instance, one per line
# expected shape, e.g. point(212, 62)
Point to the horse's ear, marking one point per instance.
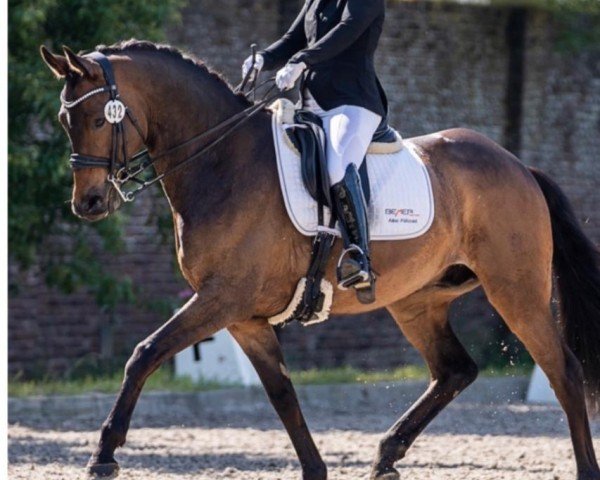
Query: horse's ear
point(57, 63)
point(83, 66)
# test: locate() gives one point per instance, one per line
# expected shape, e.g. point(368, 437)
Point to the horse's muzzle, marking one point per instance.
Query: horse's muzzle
point(91, 207)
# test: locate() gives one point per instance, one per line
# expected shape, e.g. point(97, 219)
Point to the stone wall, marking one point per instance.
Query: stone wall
point(443, 65)
point(51, 331)
point(561, 124)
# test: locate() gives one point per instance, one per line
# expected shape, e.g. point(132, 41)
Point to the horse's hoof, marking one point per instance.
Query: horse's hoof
point(315, 473)
point(388, 474)
point(104, 471)
point(589, 476)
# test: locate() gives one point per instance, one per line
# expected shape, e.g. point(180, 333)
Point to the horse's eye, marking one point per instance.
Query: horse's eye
point(99, 122)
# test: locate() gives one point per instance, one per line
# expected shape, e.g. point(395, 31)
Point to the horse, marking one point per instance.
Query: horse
point(498, 224)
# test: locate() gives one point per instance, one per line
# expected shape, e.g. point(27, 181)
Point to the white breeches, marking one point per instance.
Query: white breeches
point(349, 131)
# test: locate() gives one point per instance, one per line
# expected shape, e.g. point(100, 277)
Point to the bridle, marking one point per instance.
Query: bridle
point(128, 170)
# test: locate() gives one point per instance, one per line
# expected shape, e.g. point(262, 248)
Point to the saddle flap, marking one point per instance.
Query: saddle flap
point(308, 137)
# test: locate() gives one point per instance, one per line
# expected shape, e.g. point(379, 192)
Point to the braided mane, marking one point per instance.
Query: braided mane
point(174, 53)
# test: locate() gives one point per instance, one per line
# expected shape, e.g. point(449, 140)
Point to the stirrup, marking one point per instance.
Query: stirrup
point(360, 277)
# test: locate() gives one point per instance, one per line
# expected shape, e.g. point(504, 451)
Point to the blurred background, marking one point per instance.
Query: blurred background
point(524, 72)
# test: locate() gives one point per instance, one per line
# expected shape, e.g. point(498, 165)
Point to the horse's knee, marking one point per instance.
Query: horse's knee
point(141, 359)
point(113, 432)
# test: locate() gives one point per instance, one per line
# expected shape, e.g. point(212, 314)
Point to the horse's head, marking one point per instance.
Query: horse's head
point(93, 113)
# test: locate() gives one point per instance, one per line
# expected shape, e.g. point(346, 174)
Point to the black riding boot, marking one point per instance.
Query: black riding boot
point(354, 266)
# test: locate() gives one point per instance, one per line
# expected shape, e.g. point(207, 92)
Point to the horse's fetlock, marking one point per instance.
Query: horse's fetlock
point(385, 442)
point(113, 434)
point(100, 457)
point(392, 448)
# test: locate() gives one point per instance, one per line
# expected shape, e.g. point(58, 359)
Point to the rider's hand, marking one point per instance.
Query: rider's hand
point(258, 64)
point(286, 77)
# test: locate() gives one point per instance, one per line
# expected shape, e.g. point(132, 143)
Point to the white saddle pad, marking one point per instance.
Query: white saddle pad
point(401, 205)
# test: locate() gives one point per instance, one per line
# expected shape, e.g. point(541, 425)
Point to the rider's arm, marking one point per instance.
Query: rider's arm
point(282, 50)
point(356, 18)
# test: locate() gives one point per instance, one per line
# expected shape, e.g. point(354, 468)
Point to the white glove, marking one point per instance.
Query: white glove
point(258, 64)
point(286, 77)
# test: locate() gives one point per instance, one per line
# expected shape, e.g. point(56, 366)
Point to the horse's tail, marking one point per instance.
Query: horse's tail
point(576, 263)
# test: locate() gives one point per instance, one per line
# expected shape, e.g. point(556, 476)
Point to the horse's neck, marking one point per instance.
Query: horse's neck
point(183, 109)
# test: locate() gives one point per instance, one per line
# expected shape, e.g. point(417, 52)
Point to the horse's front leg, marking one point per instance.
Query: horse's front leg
point(259, 342)
point(201, 317)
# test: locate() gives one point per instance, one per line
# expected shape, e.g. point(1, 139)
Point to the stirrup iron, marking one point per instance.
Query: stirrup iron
point(360, 277)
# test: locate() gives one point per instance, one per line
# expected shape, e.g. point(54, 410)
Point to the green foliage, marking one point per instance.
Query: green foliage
point(86, 380)
point(574, 6)
point(39, 176)
point(330, 376)
point(161, 380)
point(577, 21)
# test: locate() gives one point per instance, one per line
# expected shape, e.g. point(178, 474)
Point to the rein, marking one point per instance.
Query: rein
point(121, 173)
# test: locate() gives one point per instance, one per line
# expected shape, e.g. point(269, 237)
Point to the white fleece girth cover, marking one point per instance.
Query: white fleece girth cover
point(401, 204)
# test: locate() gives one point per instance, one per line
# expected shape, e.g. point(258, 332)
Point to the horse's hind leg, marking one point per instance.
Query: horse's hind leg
point(524, 304)
point(424, 321)
point(259, 342)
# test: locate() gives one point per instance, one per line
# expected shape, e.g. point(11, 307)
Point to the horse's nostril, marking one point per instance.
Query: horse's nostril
point(95, 202)
point(93, 205)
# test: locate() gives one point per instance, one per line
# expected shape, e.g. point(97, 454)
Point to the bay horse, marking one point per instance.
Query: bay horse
point(498, 224)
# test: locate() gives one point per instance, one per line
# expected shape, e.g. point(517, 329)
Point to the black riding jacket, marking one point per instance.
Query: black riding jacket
point(337, 39)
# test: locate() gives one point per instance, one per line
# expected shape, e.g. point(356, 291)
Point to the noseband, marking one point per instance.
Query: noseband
point(122, 172)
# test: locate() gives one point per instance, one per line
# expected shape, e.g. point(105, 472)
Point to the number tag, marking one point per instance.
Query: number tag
point(114, 111)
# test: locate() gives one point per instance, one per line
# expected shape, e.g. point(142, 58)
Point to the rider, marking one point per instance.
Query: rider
point(333, 42)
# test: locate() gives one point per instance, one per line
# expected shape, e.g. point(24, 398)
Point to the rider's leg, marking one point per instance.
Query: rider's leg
point(349, 131)
point(349, 202)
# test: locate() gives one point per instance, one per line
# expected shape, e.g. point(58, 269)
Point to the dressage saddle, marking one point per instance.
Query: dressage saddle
point(308, 136)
